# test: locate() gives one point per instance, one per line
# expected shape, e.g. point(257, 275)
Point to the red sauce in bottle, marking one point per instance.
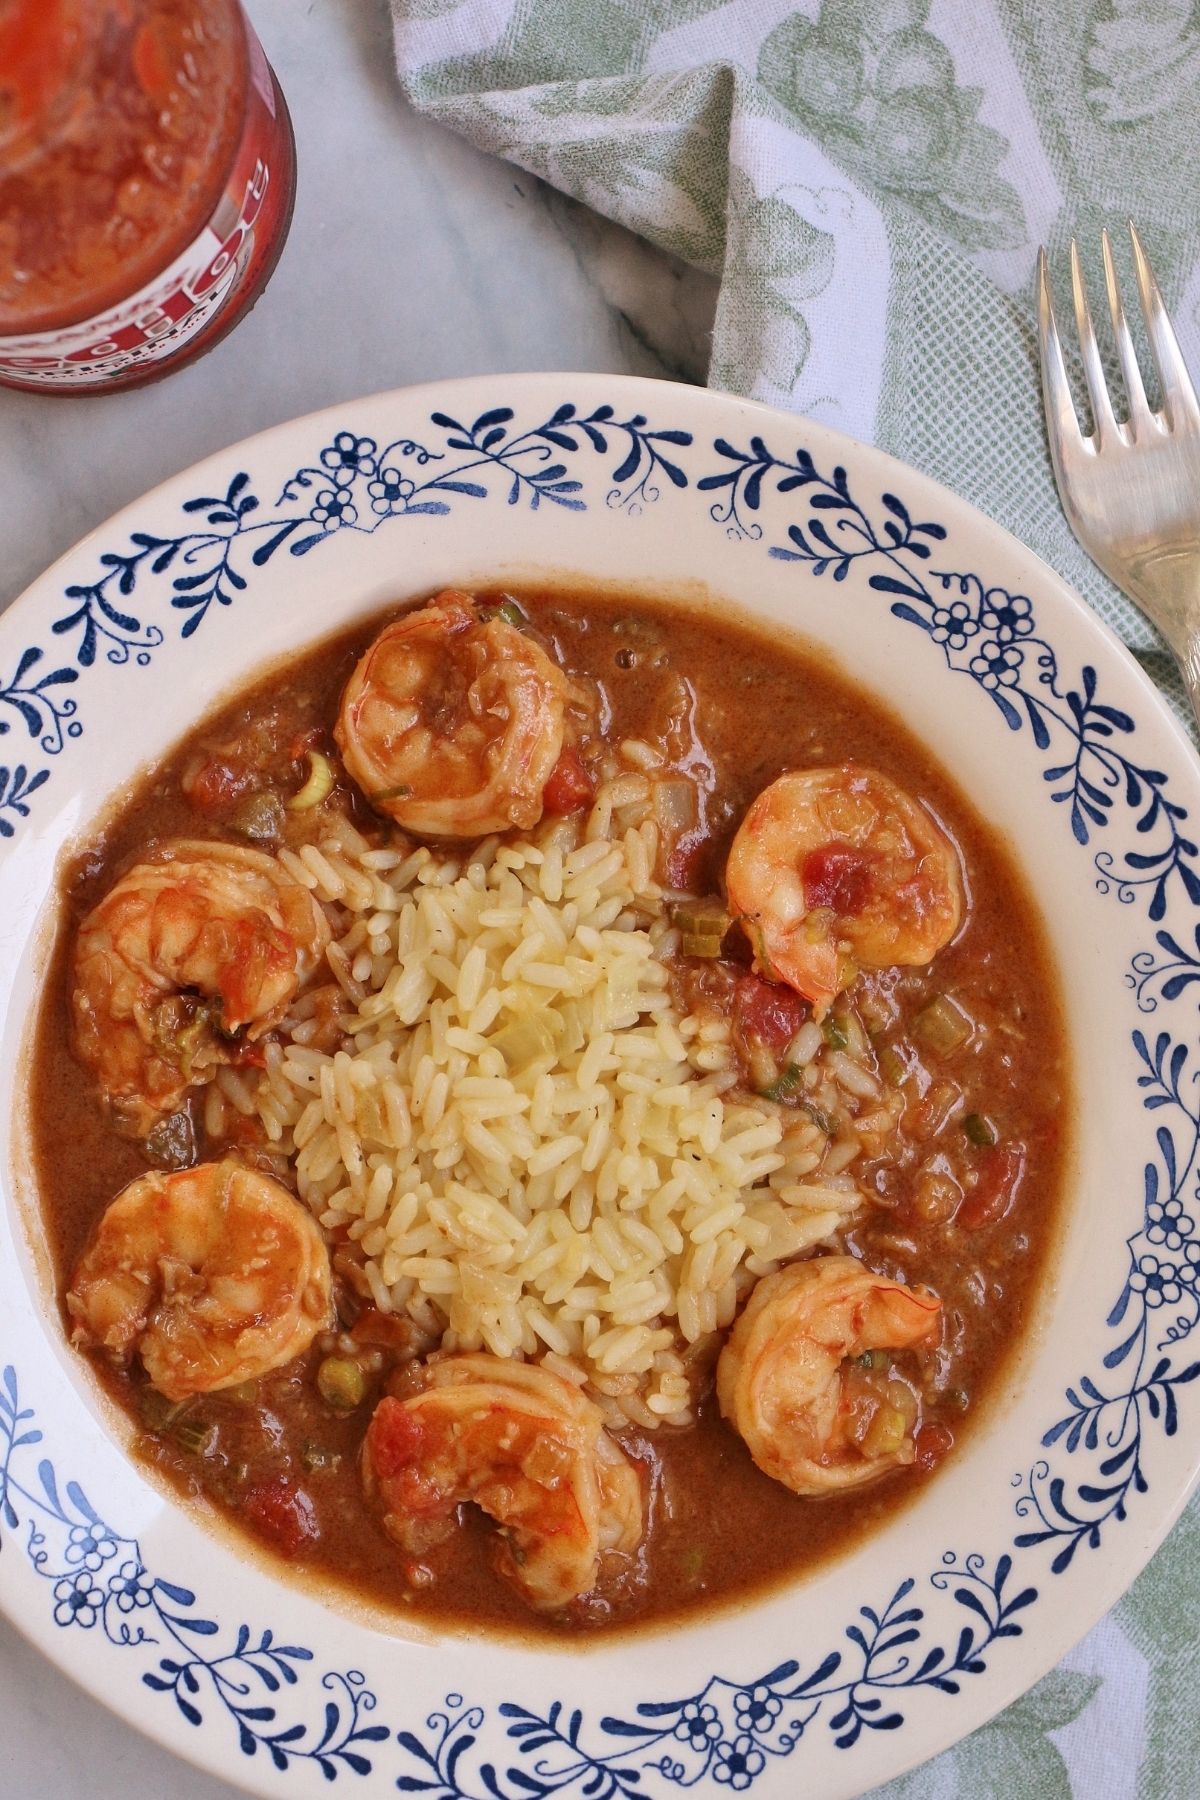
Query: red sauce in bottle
point(147, 173)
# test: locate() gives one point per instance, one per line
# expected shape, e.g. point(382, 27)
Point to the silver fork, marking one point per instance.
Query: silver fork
point(1131, 490)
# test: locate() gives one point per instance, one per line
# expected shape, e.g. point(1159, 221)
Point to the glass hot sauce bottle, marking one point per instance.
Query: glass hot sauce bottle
point(147, 175)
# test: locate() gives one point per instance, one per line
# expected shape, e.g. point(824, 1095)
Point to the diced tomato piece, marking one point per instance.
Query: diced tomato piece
point(569, 787)
point(837, 876)
point(767, 1011)
point(388, 1330)
point(395, 1439)
point(1002, 1170)
point(217, 786)
point(931, 1444)
point(282, 1513)
point(684, 865)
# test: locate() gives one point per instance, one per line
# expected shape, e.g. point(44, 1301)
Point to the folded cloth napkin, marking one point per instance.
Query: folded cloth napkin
point(870, 180)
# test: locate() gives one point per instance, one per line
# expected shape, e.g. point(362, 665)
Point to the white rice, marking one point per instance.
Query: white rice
point(523, 1144)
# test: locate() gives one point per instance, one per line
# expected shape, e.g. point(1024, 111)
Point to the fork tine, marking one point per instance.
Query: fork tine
point(1097, 387)
point(1131, 374)
point(1179, 395)
point(1062, 424)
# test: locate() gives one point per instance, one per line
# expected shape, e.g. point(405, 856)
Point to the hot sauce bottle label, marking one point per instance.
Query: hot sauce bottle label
point(179, 304)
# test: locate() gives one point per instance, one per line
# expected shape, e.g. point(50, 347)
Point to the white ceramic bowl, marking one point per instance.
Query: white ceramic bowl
point(881, 1657)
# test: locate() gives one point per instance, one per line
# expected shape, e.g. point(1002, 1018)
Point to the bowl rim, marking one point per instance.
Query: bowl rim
point(881, 469)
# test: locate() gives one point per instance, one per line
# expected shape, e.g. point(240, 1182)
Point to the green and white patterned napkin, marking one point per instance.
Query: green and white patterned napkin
point(870, 180)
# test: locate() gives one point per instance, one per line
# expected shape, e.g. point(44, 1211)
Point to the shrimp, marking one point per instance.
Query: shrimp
point(527, 1447)
point(452, 725)
point(785, 1378)
point(188, 950)
point(212, 1276)
point(833, 869)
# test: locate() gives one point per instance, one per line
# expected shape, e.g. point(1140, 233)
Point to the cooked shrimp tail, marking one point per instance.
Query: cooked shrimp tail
point(190, 956)
point(211, 1276)
point(790, 1382)
point(524, 1445)
point(837, 869)
point(452, 724)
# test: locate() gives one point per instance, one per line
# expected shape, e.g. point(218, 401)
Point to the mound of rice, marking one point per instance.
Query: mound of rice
point(532, 1150)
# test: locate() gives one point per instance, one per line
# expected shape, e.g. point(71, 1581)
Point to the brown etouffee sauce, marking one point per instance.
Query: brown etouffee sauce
point(718, 1529)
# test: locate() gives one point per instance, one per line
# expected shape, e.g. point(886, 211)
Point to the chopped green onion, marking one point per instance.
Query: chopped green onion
point(194, 1435)
point(401, 792)
point(942, 1026)
point(835, 1032)
point(507, 610)
point(821, 1120)
point(981, 1131)
point(259, 817)
point(341, 1383)
point(785, 1084)
point(318, 785)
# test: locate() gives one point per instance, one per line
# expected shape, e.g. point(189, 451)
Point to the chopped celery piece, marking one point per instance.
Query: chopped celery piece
point(892, 1066)
point(942, 1026)
point(701, 918)
point(709, 947)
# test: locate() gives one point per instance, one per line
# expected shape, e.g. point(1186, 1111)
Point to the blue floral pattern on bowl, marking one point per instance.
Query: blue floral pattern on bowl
point(1091, 1469)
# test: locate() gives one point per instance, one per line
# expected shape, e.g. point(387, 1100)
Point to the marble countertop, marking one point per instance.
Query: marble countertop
point(411, 257)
